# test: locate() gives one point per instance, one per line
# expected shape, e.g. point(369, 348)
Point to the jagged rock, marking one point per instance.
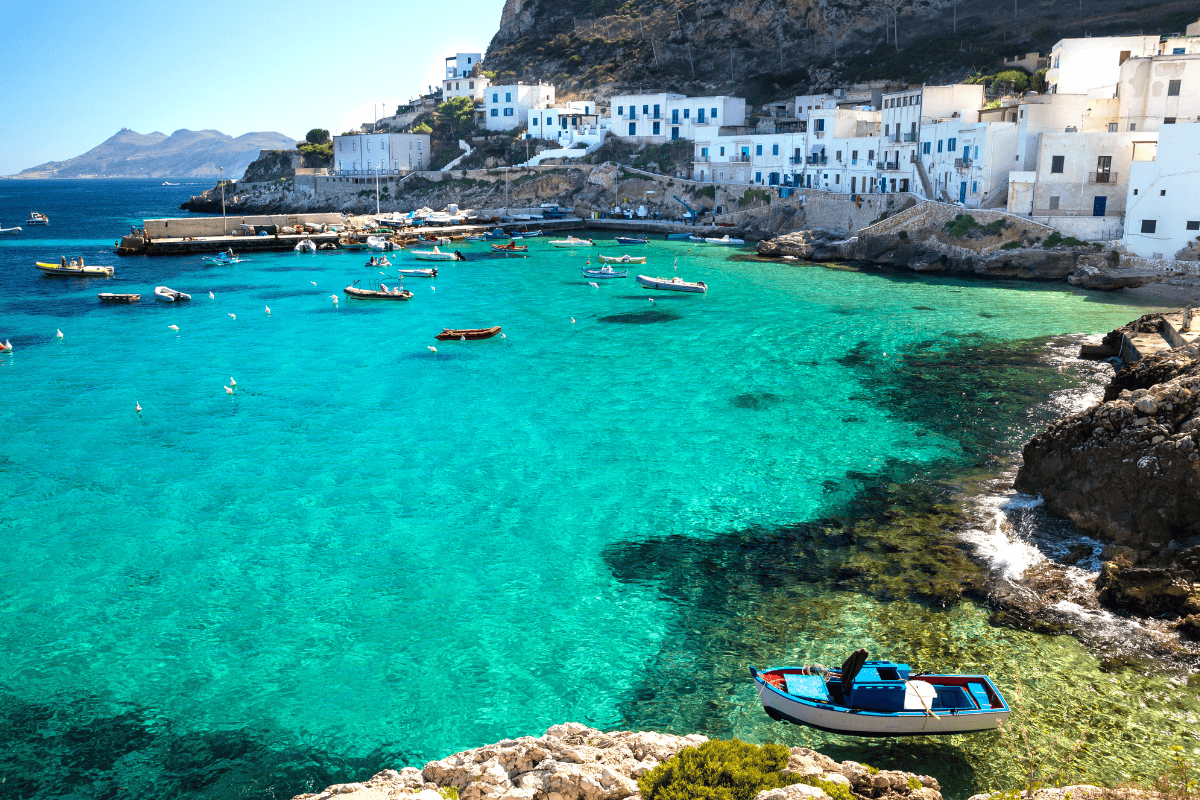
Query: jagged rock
point(1147, 591)
point(797, 791)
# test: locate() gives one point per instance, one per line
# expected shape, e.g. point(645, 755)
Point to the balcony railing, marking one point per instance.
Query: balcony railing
point(818, 160)
point(962, 163)
point(910, 137)
point(701, 160)
point(819, 134)
point(741, 158)
point(1102, 177)
point(888, 166)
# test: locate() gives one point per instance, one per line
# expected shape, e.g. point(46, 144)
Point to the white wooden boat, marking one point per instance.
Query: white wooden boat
point(9, 231)
point(435, 255)
point(625, 259)
point(671, 284)
point(418, 273)
point(164, 294)
point(433, 240)
point(74, 271)
point(880, 698)
point(726, 239)
point(111, 297)
point(571, 241)
point(382, 293)
point(604, 273)
point(631, 240)
point(306, 246)
point(694, 238)
point(37, 219)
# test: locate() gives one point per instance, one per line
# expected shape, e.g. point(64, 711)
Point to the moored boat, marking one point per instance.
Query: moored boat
point(380, 243)
point(165, 294)
point(527, 234)
point(604, 272)
point(383, 293)
point(434, 240)
point(74, 270)
point(880, 698)
point(511, 247)
point(418, 273)
point(726, 239)
point(113, 297)
point(625, 259)
point(671, 284)
point(223, 259)
point(481, 237)
point(349, 243)
point(572, 241)
point(452, 334)
point(37, 219)
point(496, 233)
point(631, 240)
point(9, 231)
point(436, 255)
point(306, 246)
point(679, 236)
point(695, 238)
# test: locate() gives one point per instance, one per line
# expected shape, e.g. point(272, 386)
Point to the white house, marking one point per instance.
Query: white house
point(807, 103)
point(1079, 66)
point(460, 65)
point(1159, 90)
point(1161, 215)
point(566, 123)
point(968, 162)
point(507, 107)
point(380, 153)
point(473, 87)
point(666, 116)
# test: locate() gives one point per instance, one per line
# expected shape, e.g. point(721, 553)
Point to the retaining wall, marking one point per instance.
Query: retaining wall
point(216, 226)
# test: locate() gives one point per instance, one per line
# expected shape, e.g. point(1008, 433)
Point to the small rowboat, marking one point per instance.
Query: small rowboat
point(37, 219)
point(110, 297)
point(452, 334)
point(418, 273)
point(496, 233)
point(631, 240)
point(436, 255)
point(527, 234)
point(679, 236)
point(571, 241)
point(395, 293)
point(880, 698)
point(74, 272)
point(625, 259)
point(166, 295)
point(223, 260)
point(9, 231)
point(306, 246)
point(350, 244)
point(726, 239)
point(604, 272)
point(671, 284)
point(511, 247)
point(476, 238)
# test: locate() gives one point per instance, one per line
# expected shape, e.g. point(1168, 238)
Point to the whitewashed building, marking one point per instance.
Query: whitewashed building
point(1080, 66)
point(566, 123)
point(666, 116)
point(380, 153)
point(507, 107)
point(460, 65)
point(1159, 90)
point(1161, 213)
point(968, 162)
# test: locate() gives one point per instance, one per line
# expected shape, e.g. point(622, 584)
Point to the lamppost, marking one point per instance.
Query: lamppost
point(506, 169)
point(224, 223)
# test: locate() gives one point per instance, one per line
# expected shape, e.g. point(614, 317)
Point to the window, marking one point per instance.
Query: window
point(722, 151)
point(887, 130)
point(1168, 120)
point(620, 110)
point(952, 144)
point(1148, 225)
point(819, 125)
point(870, 155)
point(976, 152)
point(926, 147)
point(1193, 225)
point(774, 149)
point(837, 178)
point(1112, 127)
point(656, 114)
point(656, 130)
point(1054, 201)
point(470, 85)
point(974, 187)
point(1056, 163)
point(508, 97)
point(1173, 88)
point(839, 155)
point(854, 155)
point(714, 113)
point(495, 97)
point(1121, 59)
point(645, 110)
point(686, 113)
point(758, 150)
point(939, 145)
point(758, 177)
point(508, 112)
point(1162, 192)
point(633, 129)
point(535, 121)
point(1178, 51)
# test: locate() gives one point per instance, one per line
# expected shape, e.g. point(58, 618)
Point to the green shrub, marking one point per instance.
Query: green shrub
point(903, 234)
point(708, 191)
point(1071, 241)
point(913, 783)
point(960, 225)
point(1013, 245)
point(1053, 240)
point(719, 770)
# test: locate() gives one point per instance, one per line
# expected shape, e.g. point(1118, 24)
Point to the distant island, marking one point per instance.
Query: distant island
point(183, 154)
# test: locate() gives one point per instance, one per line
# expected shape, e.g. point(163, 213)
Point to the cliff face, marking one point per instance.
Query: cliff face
point(768, 49)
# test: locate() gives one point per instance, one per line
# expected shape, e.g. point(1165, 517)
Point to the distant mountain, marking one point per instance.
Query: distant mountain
point(183, 154)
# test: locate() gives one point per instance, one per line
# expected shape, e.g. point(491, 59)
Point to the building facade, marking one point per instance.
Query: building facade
point(380, 153)
point(507, 107)
point(1161, 214)
point(665, 116)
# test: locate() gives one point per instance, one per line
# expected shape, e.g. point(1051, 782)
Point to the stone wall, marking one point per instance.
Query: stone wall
point(216, 226)
point(836, 211)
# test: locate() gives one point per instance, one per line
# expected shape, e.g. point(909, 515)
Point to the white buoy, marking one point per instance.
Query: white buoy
point(462, 338)
point(502, 336)
point(228, 390)
point(233, 316)
point(268, 308)
point(173, 327)
point(432, 349)
point(8, 345)
point(59, 333)
point(433, 288)
point(651, 299)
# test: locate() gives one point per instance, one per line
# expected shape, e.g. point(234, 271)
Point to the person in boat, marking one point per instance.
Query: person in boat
point(372, 262)
point(63, 261)
point(74, 264)
point(229, 253)
point(81, 261)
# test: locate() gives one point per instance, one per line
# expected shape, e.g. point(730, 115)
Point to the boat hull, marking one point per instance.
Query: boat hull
point(572, 243)
point(698, 287)
point(450, 335)
point(595, 273)
point(371, 294)
point(164, 294)
point(74, 272)
point(9, 231)
point(832, 718)
point(418, 273)
point(110, 297)
point(622, 259)
point(430, 255)
point(628, 240)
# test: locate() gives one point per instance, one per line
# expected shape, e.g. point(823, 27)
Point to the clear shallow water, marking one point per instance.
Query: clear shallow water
point(372, 555)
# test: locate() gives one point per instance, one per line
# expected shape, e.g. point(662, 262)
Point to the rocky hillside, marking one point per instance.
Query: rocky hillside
point(768, 49)
point(183, 154)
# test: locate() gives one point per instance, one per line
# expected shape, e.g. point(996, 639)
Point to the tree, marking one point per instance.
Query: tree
point(317, 136)
point(459, 112)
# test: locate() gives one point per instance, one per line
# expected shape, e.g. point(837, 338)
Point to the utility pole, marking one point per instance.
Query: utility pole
point(224, 222)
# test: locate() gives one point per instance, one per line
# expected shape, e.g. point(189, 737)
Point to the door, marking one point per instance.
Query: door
point(962, 192)
point(674, 134)
point(1098, 206)
point(853, 182)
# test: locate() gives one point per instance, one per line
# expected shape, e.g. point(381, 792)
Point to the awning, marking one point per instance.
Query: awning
point(818, 148)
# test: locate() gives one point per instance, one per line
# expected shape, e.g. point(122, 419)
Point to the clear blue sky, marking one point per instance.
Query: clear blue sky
point(77, 72)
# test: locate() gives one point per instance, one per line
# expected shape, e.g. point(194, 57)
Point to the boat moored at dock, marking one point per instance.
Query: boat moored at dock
point(572, 241)
point(382, 293)
point(880, 698)
point(672, 284)
point(604, 272)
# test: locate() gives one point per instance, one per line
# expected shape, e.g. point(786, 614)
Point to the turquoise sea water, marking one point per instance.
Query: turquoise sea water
point(372, 554)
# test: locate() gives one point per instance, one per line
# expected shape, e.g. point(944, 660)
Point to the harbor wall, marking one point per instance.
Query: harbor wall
point(218, 226)
point(846, 213)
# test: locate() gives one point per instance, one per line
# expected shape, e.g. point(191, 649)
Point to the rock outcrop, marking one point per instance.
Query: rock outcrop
point(1127, 470)
point(575, 762)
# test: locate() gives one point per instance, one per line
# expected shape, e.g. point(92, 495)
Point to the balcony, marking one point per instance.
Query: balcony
point(701, 160)
point(910, 137)
point(1102, 177)
point(962, 163)
point(888, 166)
point(819, 134)
point(817, 160)
point(740, 158)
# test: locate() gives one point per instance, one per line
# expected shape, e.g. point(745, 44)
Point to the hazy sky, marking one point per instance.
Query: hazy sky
point(77, 72)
